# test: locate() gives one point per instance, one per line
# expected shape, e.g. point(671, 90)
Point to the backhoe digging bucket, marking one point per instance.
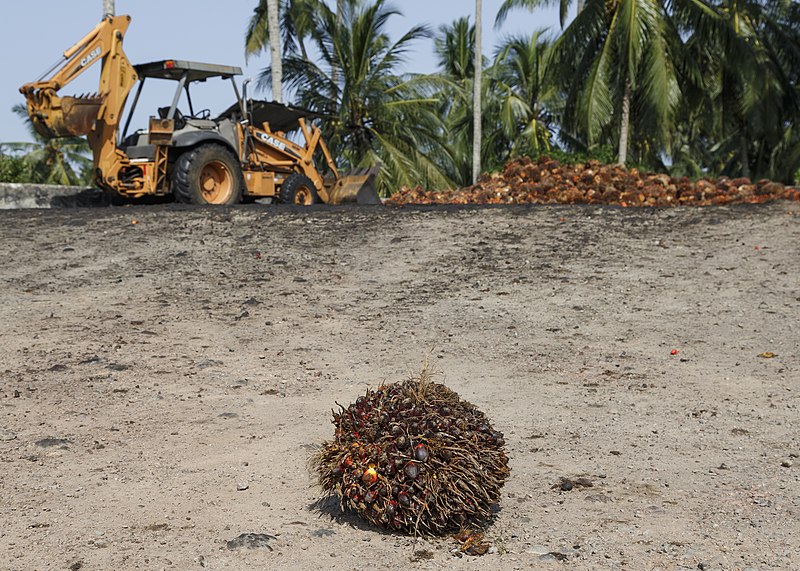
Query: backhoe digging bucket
point(66, 116)
point(80, 114)
point(358, 187)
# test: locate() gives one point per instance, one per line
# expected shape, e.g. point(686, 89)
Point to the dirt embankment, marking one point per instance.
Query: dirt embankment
point(164, 381)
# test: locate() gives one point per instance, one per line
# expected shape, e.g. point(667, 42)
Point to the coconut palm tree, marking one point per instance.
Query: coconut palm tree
point(296, 20)
point(372, 113)
point(264, 33)
point(563, 8)
point(615, 54)
point(454, 46)
point(740, 84)
point(529, 102)
point(256, 38)
point(61, 161)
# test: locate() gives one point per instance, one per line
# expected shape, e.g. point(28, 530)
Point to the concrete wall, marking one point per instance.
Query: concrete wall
point(48, 196)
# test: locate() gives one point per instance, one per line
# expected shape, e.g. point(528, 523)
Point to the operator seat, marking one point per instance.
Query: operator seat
point(180, 119)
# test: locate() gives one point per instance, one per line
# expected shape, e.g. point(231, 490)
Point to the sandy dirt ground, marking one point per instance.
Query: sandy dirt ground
point(166, 371)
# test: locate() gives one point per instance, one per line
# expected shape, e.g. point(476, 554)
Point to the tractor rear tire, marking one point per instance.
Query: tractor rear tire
point(298, 189)
point(208, 174)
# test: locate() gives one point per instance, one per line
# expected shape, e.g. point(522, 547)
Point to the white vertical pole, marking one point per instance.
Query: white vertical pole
point(108, 8)
point(273, 24)
point(477, 117)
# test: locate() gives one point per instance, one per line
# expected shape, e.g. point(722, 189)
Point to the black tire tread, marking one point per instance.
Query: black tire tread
point(290, 186)
point(181, 174)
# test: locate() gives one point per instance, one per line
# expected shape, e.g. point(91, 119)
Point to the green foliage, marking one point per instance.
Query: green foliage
point(454, 46)
point(742, 103)
point(61, 161)
point(297, 23)
point(714, 83)
point(455, 50)
point(529, 103)
point(518, 105)
point(54, 162)
point(711, 87)
point(12, 169)
point(373, 113)
point(508, 5)
point(604, 154)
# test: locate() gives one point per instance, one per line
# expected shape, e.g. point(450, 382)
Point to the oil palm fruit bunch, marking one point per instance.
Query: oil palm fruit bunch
point(414, 458)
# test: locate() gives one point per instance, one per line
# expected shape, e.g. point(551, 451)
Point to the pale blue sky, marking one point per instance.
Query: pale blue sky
point(34, 34)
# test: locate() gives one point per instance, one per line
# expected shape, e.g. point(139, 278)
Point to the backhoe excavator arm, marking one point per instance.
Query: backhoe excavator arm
point(55, 116)
point(97, 115)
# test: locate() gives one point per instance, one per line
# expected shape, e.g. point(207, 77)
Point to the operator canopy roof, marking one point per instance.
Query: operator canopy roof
point(280, 117)
point(175, 68)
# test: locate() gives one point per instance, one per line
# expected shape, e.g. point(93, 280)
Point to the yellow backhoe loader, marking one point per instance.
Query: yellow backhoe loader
point(247, 151)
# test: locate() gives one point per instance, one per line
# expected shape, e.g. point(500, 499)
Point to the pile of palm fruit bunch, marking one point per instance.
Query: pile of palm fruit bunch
point(546, 181)
point(413, 457)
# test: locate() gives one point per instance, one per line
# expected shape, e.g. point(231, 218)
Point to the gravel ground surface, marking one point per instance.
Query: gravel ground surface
point(166, 371)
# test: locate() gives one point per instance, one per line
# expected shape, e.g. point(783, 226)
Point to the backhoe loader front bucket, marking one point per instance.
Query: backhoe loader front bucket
point(358, 187)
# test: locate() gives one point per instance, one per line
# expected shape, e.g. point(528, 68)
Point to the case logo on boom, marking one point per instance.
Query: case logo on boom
point(91, 57)
point(271, 141)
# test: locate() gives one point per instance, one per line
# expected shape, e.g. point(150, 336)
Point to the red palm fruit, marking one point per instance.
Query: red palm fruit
point(370, 476)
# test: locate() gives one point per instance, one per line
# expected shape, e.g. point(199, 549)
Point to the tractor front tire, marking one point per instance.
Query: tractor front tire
point(298, 189)
point(208, 174)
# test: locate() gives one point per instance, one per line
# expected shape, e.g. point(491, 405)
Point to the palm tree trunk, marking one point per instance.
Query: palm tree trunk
point(339, 16)
point(580, 6)
point(108, 8)
point(744, 157)
point(477, 115)
point(275, 49)
point(624, 125)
